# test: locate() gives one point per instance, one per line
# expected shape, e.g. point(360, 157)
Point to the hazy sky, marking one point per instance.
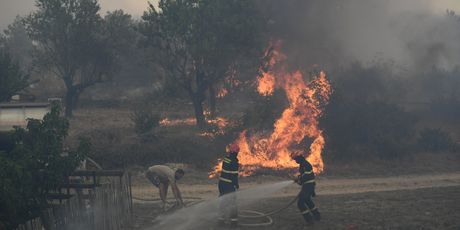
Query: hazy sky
point(10, 8)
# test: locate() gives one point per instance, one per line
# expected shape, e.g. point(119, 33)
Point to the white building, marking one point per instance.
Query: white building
point(16, 114)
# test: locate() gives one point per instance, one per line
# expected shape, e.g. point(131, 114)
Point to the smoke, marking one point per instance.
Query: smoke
point(201, 214)
point(413, 33)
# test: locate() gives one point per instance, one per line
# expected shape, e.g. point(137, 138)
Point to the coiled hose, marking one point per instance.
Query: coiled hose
point(256, 214)
point(263, 215)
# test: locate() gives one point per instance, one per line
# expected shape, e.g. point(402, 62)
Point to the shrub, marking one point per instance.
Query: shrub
point(35, 166)
point(196, 150)
point(145, 120)
point(379, 129)
point(363, 118)
point(435, 140)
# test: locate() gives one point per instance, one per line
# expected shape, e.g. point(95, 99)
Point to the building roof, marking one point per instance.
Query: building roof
point(22, 105)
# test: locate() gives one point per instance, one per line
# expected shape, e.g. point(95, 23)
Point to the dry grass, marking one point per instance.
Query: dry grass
point(116, 145)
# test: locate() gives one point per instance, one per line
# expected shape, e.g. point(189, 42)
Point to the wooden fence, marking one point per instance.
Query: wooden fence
point(103, 204)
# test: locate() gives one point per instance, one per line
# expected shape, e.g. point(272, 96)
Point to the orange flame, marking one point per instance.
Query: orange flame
point(177, 122)
point(266, 84)
point(298, 122)
point(218, 125)
point(222, 92)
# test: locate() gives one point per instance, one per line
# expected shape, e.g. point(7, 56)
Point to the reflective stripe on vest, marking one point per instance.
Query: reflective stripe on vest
point(231, 172)
point(226, 160)
point(309, 181)
point(225, 180)
point(309, 172)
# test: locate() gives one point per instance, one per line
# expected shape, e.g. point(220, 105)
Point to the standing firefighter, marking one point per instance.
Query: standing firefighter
point(306, 179)
point(161, 177)
point(228, 184)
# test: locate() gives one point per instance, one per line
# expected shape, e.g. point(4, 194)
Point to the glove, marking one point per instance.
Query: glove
point(297, 181)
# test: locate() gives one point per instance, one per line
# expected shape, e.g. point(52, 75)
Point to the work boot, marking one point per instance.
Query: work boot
point(308, 218)
point(221, 221)
point(316, 215)
point(233, 223)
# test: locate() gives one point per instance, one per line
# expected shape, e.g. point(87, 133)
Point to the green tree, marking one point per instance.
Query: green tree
point(201, 41)
point(12, 79)
point(121, 33)
point(71, 44)
point(34, 167)
point(232, 39)
point(18, 43)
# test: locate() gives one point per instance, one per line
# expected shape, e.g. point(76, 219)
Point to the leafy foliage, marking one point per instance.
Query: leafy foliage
point(435, 140)
point(362, 119)
point(357, 129)
point(441, 88)
point(35, 166)
point(265, 111)
point(18, 43)
point(71, 44)
point(202, 41)
point(12, 79)
point(144, 120)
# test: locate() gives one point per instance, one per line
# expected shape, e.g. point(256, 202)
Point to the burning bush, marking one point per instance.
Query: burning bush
point(265, 111)
point(306, 97)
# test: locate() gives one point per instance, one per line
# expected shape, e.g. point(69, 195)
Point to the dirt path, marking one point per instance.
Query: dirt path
point(325, 186)
point(339, 198)
point(407, 182)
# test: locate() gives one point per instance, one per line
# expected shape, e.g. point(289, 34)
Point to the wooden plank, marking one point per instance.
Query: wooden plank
point(58, 196)
point(98, 173)
point(21, 105)
point(79, 186)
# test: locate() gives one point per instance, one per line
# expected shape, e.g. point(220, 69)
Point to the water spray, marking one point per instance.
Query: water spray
point(201, 213)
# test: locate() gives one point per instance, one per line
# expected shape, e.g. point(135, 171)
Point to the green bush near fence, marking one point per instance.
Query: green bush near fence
point(35, 166)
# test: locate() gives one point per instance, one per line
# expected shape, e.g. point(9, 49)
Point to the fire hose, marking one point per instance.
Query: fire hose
point(256, 215)
point(266, 215)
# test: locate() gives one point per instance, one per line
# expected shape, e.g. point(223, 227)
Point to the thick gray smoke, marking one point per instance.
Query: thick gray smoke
point(413, 33)
point(204, 213)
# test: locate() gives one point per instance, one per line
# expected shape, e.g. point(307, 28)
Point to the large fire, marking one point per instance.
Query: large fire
point(297, 125)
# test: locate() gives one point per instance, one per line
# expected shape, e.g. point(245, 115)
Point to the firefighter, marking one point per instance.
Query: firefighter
point(228, 184)
point(161, 177)
point(306, 179)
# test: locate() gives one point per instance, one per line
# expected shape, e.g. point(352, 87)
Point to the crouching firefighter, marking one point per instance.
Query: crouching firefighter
point(306, 179)
point(228, 184)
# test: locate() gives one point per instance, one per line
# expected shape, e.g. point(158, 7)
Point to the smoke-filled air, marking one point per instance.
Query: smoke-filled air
point(217, 114)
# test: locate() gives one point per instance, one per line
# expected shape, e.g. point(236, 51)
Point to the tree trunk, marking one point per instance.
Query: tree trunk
point(212, 101)
point(71, 99)
point(69, 104)
point(198, 107)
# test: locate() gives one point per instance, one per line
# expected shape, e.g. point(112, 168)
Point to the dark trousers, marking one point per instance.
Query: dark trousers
point(228, 206)
point(305, 203)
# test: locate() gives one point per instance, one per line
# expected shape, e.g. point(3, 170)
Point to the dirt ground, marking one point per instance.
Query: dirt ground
point(397, 202)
